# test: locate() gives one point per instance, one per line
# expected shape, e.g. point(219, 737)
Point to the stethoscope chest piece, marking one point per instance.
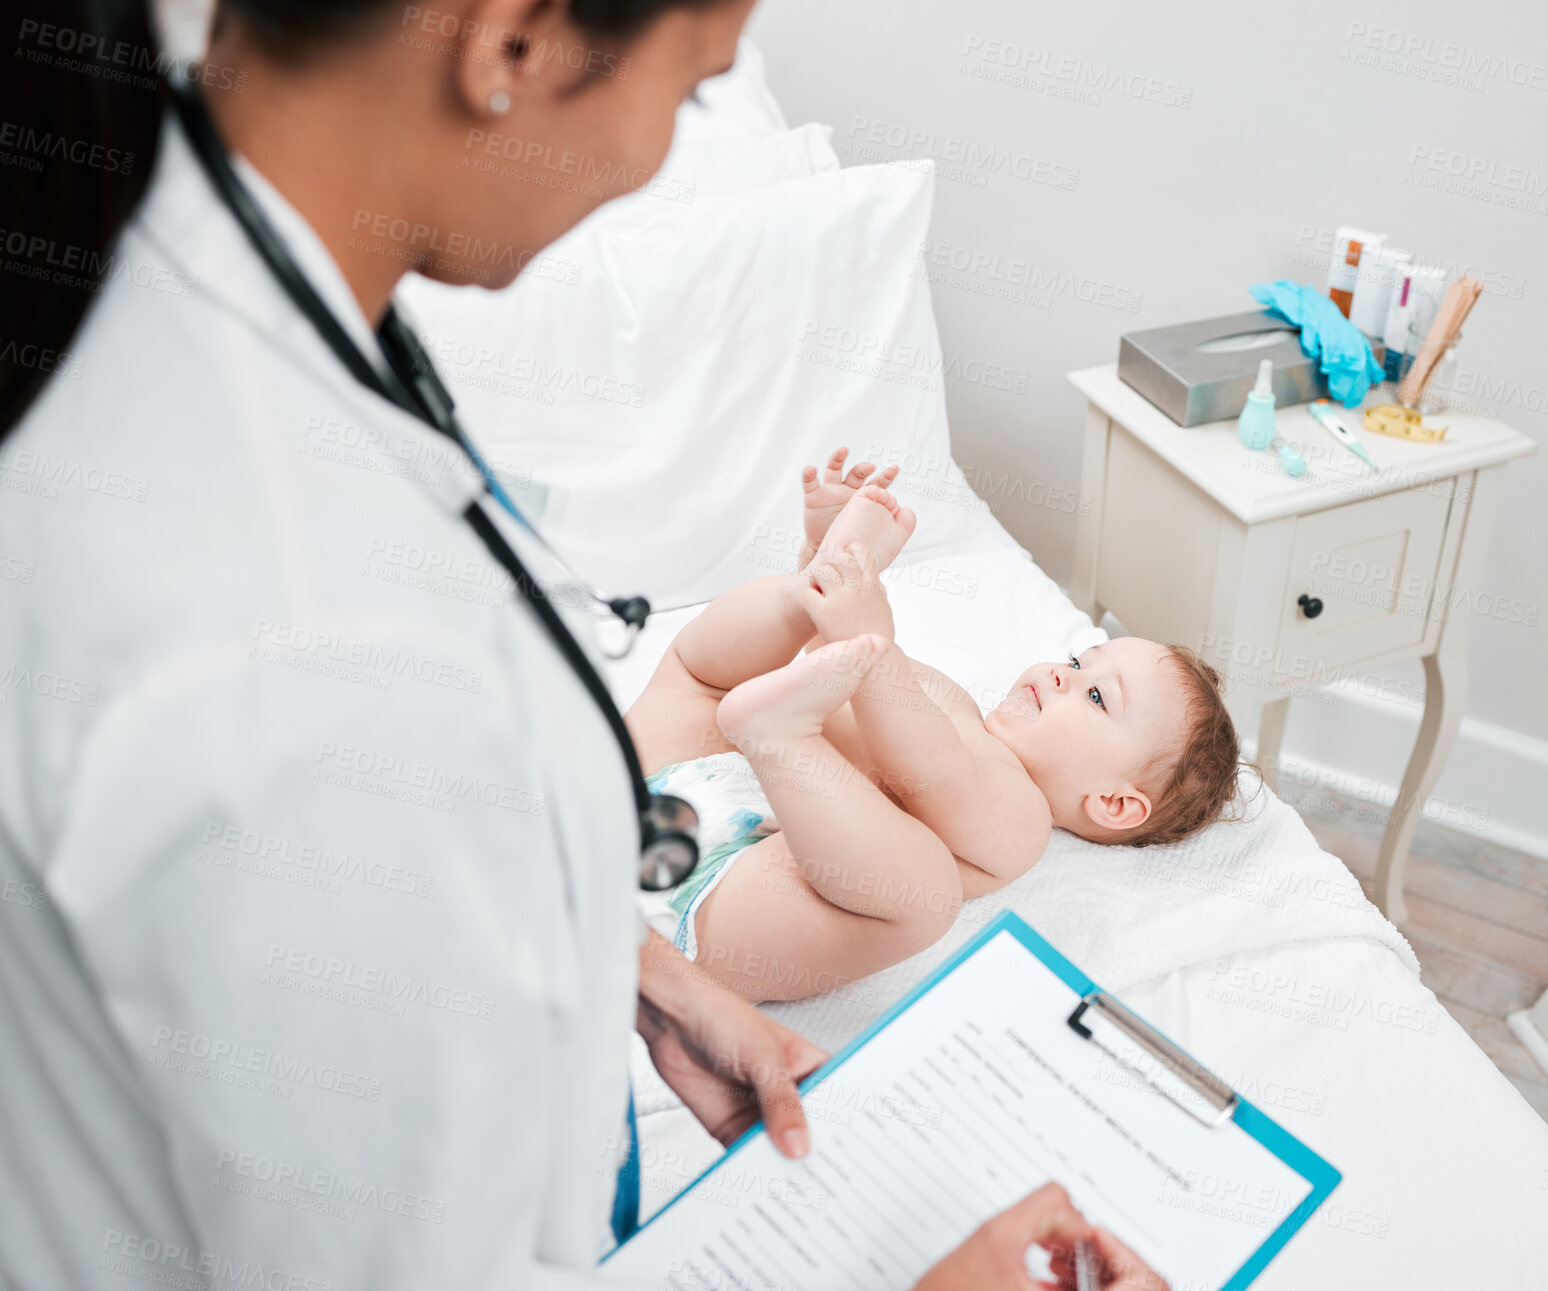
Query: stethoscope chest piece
point(669, 853)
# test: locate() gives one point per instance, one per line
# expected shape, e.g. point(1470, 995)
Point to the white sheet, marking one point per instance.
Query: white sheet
point(1253, 948)
point(982, 612)
point(982, 616)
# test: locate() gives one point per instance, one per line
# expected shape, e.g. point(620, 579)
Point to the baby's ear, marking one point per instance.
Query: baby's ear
point(1121, 811)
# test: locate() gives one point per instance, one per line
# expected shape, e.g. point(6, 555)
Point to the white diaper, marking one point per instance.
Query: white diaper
point(733, 815)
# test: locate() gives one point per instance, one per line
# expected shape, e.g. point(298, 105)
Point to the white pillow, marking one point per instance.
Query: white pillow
point(715, 165)
point(669, 389)
point(737, 102)
point(732, 136)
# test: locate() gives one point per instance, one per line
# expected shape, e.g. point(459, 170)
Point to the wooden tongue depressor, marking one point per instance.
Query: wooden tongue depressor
point(1460, 299)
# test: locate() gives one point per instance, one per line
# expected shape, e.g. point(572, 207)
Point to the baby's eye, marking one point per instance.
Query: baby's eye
point(1095, 696)
point(1074, 662)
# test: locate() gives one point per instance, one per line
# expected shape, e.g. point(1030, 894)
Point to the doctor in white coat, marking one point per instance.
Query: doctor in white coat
point(318, 947)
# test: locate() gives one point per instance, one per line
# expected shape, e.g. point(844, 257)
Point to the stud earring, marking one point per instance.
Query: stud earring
point(499, 103)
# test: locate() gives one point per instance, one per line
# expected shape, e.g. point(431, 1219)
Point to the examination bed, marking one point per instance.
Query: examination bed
point(650, 390)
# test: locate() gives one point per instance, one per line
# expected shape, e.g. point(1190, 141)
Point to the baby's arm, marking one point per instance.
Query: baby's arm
point(986, 810)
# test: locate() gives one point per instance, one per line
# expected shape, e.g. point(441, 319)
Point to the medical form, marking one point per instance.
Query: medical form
point(976, 1089)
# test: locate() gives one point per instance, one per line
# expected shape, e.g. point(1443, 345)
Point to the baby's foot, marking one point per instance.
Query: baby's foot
point(762, 714)
point(824, 501)
point(874, 520)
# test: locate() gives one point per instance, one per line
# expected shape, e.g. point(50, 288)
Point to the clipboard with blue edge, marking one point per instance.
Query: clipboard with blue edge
point(1148, 1056)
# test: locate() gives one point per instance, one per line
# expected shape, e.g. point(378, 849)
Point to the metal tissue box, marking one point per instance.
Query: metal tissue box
point(1199, 372)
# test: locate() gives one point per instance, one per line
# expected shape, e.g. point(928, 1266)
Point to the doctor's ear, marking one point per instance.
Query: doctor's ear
point(1117, 811)
point(496, 51)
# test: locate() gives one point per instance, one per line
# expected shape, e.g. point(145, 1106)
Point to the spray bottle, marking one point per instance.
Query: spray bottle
point(1256, 426)
point(1256, 423)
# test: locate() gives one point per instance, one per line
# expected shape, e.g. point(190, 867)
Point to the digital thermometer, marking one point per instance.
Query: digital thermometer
point(1323, 414)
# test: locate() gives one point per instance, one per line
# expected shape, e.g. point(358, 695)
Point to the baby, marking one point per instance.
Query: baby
point(895, 797)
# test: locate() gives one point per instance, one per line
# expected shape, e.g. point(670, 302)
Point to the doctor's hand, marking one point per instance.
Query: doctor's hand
point(995, 1257)
point(729, 1063)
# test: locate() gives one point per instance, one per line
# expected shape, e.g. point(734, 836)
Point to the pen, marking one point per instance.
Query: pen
point(1322, 413)
point(1087, 1277)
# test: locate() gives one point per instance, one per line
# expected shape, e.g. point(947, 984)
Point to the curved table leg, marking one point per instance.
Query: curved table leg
point(1445, 695)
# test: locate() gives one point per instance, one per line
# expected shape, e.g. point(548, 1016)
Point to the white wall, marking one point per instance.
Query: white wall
point(1236, 140)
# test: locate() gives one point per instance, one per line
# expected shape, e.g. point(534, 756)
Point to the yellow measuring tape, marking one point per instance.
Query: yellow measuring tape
point(1401, 423)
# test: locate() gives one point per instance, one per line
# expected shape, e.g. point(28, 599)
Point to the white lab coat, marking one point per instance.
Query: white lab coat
point(318, 940)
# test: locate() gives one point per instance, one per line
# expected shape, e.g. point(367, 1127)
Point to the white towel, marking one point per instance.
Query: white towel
point(1127, 915)
point(1124, 915)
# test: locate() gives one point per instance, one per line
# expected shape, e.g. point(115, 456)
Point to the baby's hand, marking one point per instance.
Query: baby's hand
point(844, 595)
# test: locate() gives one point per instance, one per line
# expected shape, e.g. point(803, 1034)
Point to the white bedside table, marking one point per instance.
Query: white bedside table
point(1288, 584)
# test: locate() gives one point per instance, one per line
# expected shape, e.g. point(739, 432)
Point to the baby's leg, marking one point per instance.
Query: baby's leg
point(855, 883)
point(753, 628)
point(758, 626)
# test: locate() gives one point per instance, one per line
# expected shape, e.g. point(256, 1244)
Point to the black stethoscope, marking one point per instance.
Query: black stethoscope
point(669, 851)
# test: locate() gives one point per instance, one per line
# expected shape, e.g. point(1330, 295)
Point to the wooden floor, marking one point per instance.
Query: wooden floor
point(1478, 921)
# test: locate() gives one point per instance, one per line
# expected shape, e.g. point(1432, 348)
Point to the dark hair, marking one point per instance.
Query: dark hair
point(296, 26)
point(84, 96)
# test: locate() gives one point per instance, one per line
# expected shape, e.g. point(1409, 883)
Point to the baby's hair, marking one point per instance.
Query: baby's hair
point(1202, 781)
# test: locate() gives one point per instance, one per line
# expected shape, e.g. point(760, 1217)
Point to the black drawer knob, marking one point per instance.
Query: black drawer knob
point(1311, 607)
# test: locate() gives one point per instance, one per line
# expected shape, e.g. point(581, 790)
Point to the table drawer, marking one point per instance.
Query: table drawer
point(1362, 578)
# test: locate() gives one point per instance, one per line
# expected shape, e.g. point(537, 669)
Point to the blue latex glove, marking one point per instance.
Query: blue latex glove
point(1346, 357)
